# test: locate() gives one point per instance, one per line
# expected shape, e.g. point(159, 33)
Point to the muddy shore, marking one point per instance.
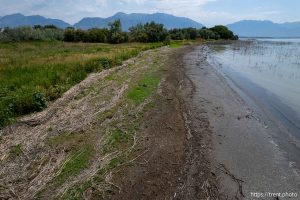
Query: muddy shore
point(204, 141)
point(246, 159)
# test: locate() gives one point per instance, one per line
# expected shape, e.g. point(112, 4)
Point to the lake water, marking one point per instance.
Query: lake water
point(268, 71)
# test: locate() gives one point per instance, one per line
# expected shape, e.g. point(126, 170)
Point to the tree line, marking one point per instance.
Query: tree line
point(35, 33)
point(149, 32)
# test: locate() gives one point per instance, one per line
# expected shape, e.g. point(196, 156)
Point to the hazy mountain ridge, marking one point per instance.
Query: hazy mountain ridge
point(18, 19)
point(256, 28)
point(129, 20)
point(244, 28)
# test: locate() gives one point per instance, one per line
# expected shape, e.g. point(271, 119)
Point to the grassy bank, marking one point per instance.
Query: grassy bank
point(113, 135)
point(34, 73)
point(93, 131)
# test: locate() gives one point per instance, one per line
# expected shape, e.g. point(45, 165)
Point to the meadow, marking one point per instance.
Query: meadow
point(32, 74)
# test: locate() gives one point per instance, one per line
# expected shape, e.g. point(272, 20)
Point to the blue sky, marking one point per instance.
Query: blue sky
point(208, 12)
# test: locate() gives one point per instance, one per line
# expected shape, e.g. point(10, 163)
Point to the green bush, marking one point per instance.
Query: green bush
point(208, 34)
point(183, 34)
point(223, 32)
point(28, 33)
point(39, 101)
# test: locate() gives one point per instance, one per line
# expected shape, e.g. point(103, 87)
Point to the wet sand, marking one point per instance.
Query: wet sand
point(246, 156)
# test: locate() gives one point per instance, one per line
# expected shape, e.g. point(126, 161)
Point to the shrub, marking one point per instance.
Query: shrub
point(39, 101)
point(27, 33)
point(223, 32)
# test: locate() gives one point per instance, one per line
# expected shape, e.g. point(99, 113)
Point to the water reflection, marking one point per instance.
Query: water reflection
point(272, 64)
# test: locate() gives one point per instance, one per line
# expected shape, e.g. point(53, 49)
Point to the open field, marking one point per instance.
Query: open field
point(35, 73)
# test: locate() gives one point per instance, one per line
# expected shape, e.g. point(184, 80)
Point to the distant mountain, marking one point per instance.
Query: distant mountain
point(16, 20)
point(129, 20)
point(253, 28)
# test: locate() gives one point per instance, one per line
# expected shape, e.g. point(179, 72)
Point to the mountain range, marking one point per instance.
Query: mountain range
point(244, 28)
point(255, 28)
point(18, 19)
point(127, 21)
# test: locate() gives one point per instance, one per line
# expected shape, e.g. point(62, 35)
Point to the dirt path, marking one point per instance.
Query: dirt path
point(172, 156)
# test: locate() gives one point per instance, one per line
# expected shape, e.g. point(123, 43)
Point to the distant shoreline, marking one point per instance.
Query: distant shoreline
point(241, 37)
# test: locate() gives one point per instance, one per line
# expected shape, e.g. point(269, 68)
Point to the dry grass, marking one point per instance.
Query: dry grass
point(71, 149)
point(48, 69)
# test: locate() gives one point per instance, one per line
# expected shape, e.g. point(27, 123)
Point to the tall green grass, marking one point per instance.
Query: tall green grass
point(34, 73)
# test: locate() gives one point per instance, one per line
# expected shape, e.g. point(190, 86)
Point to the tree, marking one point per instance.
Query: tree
point(149, 32)
point(51, 26)
point(138, 33)
point(208, 34)
point(223, 32)
point(155, 32)
point(69, 35)
point(97, 35)
point(116, 35)
point(176, 34)
point(192, 33)
point(79, 35)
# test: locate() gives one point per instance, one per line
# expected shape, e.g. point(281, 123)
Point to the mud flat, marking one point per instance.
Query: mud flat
point(246, 158)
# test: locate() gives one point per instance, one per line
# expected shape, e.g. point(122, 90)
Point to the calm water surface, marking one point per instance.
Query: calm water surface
point(273, 64)
point(267, 72)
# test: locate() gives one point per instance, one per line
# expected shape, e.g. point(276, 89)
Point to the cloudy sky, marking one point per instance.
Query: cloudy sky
point(208, 12)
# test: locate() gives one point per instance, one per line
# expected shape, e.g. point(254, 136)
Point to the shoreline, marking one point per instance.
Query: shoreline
point(195, 137)
point(236, 133)
point(271, 111)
